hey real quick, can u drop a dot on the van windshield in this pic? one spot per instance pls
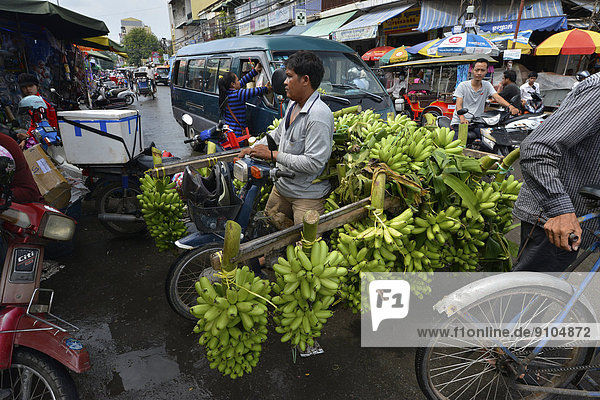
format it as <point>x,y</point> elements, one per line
<point>345,74</point>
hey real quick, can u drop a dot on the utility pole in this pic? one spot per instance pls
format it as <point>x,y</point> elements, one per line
<point>514,43</point>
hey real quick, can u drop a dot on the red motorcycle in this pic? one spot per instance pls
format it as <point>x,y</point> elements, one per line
<point>36,348</point>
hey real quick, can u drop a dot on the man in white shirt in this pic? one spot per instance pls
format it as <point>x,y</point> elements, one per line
<point>530,87</point>
<point>473,94</point>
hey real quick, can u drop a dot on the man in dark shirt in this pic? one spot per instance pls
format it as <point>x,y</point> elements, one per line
<point>509,87</point>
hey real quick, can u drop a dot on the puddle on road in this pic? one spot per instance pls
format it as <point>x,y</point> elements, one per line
<point>137,370</point>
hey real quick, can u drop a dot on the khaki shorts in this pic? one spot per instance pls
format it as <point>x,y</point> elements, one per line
<point>286,211</point>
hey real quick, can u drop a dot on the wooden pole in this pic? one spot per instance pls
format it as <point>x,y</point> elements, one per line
<point>231,246</point>
<point>514,43</point>
<point>310,223</point>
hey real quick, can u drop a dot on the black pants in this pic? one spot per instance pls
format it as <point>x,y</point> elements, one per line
<point>539,254</point>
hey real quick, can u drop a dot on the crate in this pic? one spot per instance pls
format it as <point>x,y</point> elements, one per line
<point>100,137</point>
<point>212,219</point>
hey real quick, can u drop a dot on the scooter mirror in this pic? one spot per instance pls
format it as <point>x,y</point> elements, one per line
<point>271,143</point>
<point>462,111</point>
<point>187,119</point>
<point>278,78</point>
<point>515,101</point>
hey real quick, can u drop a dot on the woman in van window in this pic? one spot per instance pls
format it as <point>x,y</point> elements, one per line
<point>232,98</point>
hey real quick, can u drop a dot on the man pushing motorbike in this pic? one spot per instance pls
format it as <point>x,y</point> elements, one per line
<point>304,138</point>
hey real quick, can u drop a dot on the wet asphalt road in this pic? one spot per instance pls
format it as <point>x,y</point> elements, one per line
<point>113,289</point>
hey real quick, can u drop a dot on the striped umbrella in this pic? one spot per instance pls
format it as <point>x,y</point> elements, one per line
<point>575,41</point>
<point>462,43</point>
<point>399,54</point>
<point>376,53</point>
<point>421,48</point>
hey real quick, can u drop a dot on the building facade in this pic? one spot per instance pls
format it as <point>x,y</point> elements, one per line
<point>127,24</point>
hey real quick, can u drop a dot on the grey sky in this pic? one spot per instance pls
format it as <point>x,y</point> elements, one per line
<point>154,13</point>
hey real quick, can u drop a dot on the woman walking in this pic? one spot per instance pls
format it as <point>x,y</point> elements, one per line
<point>232,99</point>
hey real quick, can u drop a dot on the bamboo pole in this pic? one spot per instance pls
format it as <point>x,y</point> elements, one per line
<point>310,223</point>
<point>463,133</point>
<point>378,191</point>
<point>231,246</point>
<point>348,110</point>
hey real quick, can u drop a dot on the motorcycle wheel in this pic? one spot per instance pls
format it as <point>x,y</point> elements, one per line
<point>129,99</point>
<point>113,199</point>
<point>183,274</point>
<point>34,375</point>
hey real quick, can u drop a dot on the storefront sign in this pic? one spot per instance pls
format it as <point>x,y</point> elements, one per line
<point>300,18</point>
<point>242,11</point>
<point>470,23</point>
<point>244,29</point>
<point>405,22</point>
<point>260,23</point>
<point>280,16</point>
<point>366,32</point>
<point>514,54</point>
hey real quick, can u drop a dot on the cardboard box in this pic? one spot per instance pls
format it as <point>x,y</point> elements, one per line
<point>52,185</point>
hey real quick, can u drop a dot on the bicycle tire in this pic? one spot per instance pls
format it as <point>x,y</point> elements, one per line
<point>429,368</point>
<point>183,274</point>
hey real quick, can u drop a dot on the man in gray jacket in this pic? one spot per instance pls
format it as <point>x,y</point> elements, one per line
<point>305,139</point>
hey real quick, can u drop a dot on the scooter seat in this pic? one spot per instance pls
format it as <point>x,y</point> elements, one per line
<point>115,92</point>
<point>590,192</point>
<point>519,117</point>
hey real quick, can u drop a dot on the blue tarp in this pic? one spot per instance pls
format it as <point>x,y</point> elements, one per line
<point>538,24</point>
<point>440,13</point>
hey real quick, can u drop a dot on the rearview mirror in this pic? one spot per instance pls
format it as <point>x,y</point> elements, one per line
<point>278,78</point>
<point>462,111</point>
<point>271,143</point>
<point>187,119</point>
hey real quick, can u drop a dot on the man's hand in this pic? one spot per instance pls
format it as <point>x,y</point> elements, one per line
<point>22,135</point>
<point>262,151</point>
<point>463,120</point>
<point>245,151</point>
<point>513,110</point>
<point>558,230</point>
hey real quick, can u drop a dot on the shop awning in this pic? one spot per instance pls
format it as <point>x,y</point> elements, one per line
<point>63,23</point>
<point>365,26</point>
<point>441,13</point>
<point>298,30</point>
<point>587,4</point>
<point>464,59</point>
<point>97,54</point>
<point>327,25</point>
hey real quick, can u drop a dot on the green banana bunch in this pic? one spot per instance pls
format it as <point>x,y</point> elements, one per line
<point>305,289</point>
<point>444,139</point>
<point>405,152</point>
<point>273,125</point>
<point>162,210</point>
<point>232,321</point>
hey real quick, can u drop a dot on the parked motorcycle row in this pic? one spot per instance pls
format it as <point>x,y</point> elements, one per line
<point>109,95</point>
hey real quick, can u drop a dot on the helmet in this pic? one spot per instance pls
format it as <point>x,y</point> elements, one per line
<point>7,166</point>
<point>581,75</point>
<point>31,103</point>
<point>214,191</point>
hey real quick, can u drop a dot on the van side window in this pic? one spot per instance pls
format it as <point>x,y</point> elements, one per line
<point>195,74</point>
<point>224,66</point>
<point>212,74</point>
<point>180,72</point>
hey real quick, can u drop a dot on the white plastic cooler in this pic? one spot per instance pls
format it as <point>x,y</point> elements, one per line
<point>85,145</point>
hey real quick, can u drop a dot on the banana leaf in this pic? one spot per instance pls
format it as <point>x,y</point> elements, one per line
<point>464,192</point>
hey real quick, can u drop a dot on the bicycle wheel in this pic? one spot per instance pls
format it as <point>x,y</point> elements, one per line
<point>34,375</point>
<point>113,198</point>
<point>183,274</point>
<point>454,373</point>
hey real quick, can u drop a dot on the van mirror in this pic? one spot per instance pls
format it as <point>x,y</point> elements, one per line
<point>187,119</point>
<point>278,78</point>
<point>271,143</point>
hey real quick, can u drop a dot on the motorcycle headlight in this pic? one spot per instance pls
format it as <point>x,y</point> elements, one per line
<point>57,227</point>
<point>492,120</point>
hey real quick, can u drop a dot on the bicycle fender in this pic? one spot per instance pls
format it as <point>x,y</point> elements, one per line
<point>477,290</point>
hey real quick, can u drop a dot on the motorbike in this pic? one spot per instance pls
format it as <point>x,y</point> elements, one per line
<point>144,85</point>
<point>102,98</point>
<point>498,131</point>
<point>211,202</point>
<point>40,130</point>
<point>220,134</point>
<point>36,347</point>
